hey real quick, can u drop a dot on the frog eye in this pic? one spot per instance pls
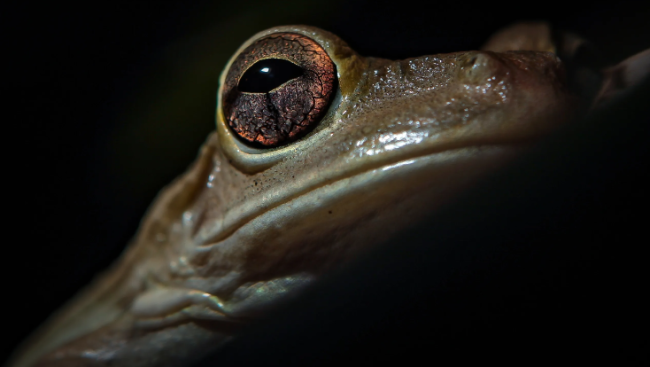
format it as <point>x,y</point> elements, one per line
<point>278,89</point>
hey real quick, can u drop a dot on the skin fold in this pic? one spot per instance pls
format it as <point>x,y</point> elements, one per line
<point>246,227</point>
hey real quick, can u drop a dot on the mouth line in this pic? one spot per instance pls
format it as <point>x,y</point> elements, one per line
<point>389,163</point>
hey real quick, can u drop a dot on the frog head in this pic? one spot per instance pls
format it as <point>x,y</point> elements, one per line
<point>318,154</point>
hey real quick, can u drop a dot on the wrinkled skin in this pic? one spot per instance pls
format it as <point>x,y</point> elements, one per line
<point>245,227</point>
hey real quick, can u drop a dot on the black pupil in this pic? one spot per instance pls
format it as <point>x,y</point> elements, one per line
<point>266,75</point>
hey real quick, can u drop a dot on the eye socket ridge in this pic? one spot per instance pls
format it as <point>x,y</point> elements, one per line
<point>268,74</point>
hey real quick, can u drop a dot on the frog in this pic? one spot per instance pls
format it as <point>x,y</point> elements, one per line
<point>319,154</point>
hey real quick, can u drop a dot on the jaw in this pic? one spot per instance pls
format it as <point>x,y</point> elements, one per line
<point>323,228</point>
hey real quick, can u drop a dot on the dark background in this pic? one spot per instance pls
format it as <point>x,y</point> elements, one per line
<point>111,100</point>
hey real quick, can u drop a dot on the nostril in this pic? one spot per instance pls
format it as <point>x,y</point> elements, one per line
<point>477,67</point>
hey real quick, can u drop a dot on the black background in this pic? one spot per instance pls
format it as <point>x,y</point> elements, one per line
<point>110,100</point>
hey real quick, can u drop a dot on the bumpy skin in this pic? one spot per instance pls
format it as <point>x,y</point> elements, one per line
<point>245,227</point>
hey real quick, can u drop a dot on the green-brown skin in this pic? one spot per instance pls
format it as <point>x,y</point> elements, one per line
<point>244,226</point>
